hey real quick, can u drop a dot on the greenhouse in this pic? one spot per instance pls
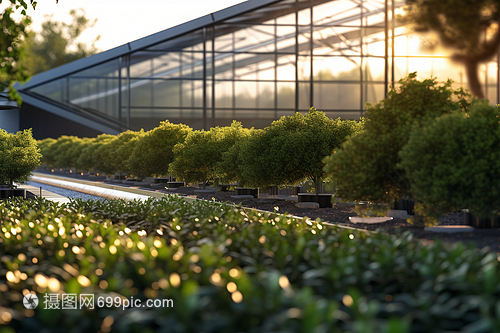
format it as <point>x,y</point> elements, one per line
<point>253,62</point>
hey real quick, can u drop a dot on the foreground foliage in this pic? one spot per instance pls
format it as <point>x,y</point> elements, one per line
<point>228,269</point>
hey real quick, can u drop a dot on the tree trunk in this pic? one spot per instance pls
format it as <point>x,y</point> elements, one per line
<point>471,69</point>
<point>318,185</point>
<point>11,183</point>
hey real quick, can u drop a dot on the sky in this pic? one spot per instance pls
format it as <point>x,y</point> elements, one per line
<point>120,22</point>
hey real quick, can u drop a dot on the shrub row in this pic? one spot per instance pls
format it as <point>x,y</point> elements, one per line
<point>230,270</point>
<point>19,155</point>
<point>426,141</point>
<point>290,150</point>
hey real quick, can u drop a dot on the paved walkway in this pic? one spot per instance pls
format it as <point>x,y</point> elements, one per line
<point>45,194</point>
<point>97,189</point>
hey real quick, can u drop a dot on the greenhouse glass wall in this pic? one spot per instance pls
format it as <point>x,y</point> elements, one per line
<point>253,62</point>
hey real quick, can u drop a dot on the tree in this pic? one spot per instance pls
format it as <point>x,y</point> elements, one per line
<point>49,149</point>
<point>366,165</point>
<point>230,167</point>
<point>154,151</point>
<point>112,156</point>
<point>65,154</point>
<point>453,162</point>
<point>87,159</point>
<point>292,149</point>
<point>469,27</point>
<point>196,158</point>
<point>57,44</point>
<point>11,50</point>
<point>45,150</point>
<point>19,155</point>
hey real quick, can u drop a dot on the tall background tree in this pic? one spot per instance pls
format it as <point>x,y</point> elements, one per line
<point>13,31</point>
<point>471,28</point>
<point>57,43</point>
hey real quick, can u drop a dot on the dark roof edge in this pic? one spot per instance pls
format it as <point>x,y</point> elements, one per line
<point>144,42</point>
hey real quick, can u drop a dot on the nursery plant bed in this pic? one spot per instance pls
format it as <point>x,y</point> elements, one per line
<point>340,213</point>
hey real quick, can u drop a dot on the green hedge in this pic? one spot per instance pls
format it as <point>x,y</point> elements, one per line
<point>366,167</point>
<point>19,155</point>
<point>453,162</point>
<point>290,275</point>
<point>290,150</point>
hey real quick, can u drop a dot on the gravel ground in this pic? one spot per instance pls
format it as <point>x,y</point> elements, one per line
<point>340,214</point>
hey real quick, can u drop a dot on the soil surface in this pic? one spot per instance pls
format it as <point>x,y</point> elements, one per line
<point>340,214</point>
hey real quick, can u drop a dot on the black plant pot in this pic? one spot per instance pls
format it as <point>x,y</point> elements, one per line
<point>6,193</point>
<point>247,191</point>
<point>161,180</point>
<point>481,223</point>
<point>405,204</point>
<point>175,184</point>
<point>323,199</point>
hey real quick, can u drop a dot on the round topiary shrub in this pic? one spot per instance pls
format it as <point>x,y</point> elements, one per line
<point>19,155</point>
<point>366,167</point>
<point>453,162</point>
<point>153,153</point>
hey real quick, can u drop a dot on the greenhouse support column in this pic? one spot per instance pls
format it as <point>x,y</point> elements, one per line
<point>120,102</point>
<point>296,56</point>
<point>361,60</point>
<point>311,46</point>
<point>129,92</point>
<point>181,104</point>
<point>212,72</point>
<point>386,54</point>
<point>67,90</point>
<point>498,77</point>
<point>204,78</point>
<point>393,44</point>
<point>233,83</point>
<point>275,69</point>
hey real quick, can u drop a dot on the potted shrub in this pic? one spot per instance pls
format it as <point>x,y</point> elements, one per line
<point>196,158</point>
<point>87,160</point>
<point>153,152</point>
<point>231,168</point>
<point>453,163</point>
<point>19,155</point>
<point>366,167</point>
<point>292,149</point>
